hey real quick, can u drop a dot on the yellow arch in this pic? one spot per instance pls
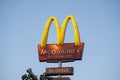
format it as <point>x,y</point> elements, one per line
<point>46,30</point>
<point>75,27</point>
<point>61,31</point>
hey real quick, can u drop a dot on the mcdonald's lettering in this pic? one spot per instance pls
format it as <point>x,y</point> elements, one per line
<point>60,51</point>
<point>68,51</point>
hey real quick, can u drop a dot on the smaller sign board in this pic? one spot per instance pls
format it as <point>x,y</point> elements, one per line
<point>62,78</point>
<point>59,71</point>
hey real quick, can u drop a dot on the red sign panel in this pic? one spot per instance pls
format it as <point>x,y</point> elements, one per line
<point>59,71</point>
<point>62,78</point>
<point>65,52</point>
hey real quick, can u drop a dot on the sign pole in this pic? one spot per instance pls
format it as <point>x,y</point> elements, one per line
<point>59,65</point>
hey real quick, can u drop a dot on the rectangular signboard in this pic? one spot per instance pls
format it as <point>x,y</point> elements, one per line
<point>65,52</point>
<point>62,78</point>
<point>59,71</point>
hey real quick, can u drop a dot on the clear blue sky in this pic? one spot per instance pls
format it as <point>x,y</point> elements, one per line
<point>21,27</point>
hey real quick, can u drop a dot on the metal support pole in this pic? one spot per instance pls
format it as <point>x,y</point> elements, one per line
<point>59,65</point>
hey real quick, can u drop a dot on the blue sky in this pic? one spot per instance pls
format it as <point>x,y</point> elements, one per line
<point>22,23</point>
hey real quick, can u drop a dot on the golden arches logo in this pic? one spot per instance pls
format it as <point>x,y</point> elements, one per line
<point>62,51</point>
<point>61,31</point>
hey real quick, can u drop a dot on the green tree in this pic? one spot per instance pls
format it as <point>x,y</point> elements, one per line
<point>45,77</point>
<point>31,76</point>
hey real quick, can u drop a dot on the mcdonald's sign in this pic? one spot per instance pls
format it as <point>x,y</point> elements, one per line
<point>60,51</point>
